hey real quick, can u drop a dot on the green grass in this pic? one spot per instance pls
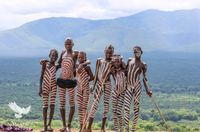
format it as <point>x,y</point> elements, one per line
<point>180,110</point>
<point>143,125</point>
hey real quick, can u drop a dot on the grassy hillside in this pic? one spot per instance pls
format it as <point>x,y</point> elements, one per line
<point>174,79</point>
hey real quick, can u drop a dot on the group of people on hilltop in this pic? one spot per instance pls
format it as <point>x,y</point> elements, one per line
<point>126,79</point>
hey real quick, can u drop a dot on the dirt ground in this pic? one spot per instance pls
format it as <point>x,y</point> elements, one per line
<point>57,130</point>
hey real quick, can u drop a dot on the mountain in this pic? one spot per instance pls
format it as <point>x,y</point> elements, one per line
<point>154,30</point>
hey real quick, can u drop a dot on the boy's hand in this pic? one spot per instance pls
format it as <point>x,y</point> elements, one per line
<point>80,67</point>
<point>149,93</point>
<point>40,93</point>
<point>112,70</point>
<point>43,62</point>
<point>91,90</point>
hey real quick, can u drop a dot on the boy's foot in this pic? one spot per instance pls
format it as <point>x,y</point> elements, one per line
<point>133,130</point>
<point>68,129</point>
<point>83,130</point>
<point>63,129</point>
<point>126,129</point>
<point>49,128</point>
<point>89,130</point>
<point>44,131</point>
<point>121,129</point>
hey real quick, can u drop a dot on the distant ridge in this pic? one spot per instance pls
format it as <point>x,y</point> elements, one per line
<point>154,30</point>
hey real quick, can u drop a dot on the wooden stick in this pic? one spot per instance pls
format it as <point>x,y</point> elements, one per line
<point>161,115</point>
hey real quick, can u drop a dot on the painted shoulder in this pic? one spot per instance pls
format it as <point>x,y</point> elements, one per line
<point>75,53</point>
<point>129,59</point>
<point>144,63</point>
<point>99,59</point>
<point>63,51</point>
<point>87,67</point>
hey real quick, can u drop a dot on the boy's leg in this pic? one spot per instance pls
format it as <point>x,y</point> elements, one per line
<point>86,94</point>
<point>95,104</point>
<point>120,110</point>
<point>45,97</point>
<point>72,106</point>
<point>127,102</point>
<point>137,92</point>
<point>107,91</point>
<point>52,106</point>
<point>45,108</point>
<point>62,95</point>
<point>114,103</point>
<point>45,118</point>
<point>80,105</point>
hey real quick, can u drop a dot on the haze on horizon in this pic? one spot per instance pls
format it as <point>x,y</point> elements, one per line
<point>14,13</point>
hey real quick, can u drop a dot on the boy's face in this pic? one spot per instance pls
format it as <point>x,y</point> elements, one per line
<point>53,57</point>
<point>137,52</point>
<point>117,63</point>
<point>108,54</point>
<point>68,44</point>
<point>81,58</point>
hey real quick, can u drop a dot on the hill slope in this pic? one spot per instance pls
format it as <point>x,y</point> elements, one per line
<point>152,29</point>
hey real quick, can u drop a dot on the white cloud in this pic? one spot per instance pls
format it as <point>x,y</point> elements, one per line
<point>16,12</point>
<point>155,4</point>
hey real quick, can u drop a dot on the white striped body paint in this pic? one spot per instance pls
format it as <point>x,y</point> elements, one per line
<point>67,72</point>
<point>133,90</point>
<point>49,85</point>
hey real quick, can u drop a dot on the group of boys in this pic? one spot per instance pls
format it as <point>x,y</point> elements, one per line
<point>127,86</point>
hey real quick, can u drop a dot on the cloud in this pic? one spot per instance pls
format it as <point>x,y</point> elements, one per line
<point>153,4</point>
<point>66,6</point>
<point>50,6</point>
<point>21,11</point>
<point>33,6</point>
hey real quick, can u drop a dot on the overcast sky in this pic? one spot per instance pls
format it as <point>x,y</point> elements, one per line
<point>14,13</point>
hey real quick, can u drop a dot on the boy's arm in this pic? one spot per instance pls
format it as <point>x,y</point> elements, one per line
<point>113,72</point>
<point>107,73</point>
<point>113,76</point>
<point>75,56</point>
<point>126,69</point>
<point>41,79</point>
<point>96,74</point>
<point>60,61</point>
<point>89,71</point>
<point>145,81</point>
<point>76,69</point>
